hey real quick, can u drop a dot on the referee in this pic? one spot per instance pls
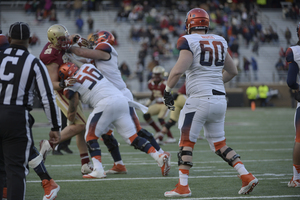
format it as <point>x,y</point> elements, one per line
<point>20,74</point>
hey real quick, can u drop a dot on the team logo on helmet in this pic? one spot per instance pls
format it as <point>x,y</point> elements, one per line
<point>67,70</point>
<point>101,36</point>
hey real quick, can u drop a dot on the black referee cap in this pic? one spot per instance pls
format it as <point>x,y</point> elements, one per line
<point>19,31</point>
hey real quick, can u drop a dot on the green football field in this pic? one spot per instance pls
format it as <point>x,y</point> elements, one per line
<point>264,138</point>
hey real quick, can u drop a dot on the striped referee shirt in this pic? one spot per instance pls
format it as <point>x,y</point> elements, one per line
<point>20,74</point>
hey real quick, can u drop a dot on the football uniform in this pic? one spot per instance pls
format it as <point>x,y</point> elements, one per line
<point>293,57</point>
<point>109,68</point>
<point>158,108</point>
<point>50,55</point>
<point>205,90</point>
<point>110,105</point>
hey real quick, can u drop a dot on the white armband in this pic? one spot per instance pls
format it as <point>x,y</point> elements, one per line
<point>168,89</point>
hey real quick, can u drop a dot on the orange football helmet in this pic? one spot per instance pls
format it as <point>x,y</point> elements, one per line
<point>102,36</point>
<point>196,19</point>
<point>67,70</point>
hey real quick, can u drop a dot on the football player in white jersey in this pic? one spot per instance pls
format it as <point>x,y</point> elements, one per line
<point>293,59</point>
<point>105,57</point>
<point>204,59</point>
<point>110,106</point>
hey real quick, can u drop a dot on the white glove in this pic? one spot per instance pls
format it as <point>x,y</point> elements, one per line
<point>70,81</point>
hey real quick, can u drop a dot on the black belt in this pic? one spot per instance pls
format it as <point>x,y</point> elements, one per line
<point>216,92</point>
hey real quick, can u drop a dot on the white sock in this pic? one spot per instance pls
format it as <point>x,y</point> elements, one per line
<point>183,178</point>
<point>97,163</point>
<point>154,155</point>
<point>119,162</point>
<point>296,174</point>
<point>240,168</point>
<point>161,151</point>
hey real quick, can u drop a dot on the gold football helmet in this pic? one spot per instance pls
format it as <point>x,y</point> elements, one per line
<point>158,73</point>
<point>158,70</point>
<point>58,35</point>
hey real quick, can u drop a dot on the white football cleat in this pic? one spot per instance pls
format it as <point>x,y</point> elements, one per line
<point>45,148</point>
<point>159,142</point>
<point>179,191</point>
<point>87,168</point>
<point>248,183</point>
<point>158,134</point>
<point>170,140</point>
<point>294,183</point>
<point>164,162</point>
<point>96,173</point>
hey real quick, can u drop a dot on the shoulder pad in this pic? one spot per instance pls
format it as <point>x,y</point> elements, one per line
<point>182,44</point>
<point>289,55</point>
<point>104,47</point>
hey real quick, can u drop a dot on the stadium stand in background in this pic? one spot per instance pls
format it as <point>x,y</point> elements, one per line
<point>123,16</point>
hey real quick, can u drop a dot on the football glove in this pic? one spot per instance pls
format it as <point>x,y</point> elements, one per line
<point>168,100</point>
<point>175,95</point>
<point>80,41</point>
<point>70,81</point>
<point>297,96</point>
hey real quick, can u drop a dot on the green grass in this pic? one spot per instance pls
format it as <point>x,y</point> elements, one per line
<point>264,138</point>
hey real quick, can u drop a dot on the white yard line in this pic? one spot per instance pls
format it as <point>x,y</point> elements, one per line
<point>278,177</point>
<point>174,163</point>
<point>243,197</point>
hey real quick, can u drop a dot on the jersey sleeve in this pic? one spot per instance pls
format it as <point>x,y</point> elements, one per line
<point>69,93</point>
<point>293,70</point>
<point>182,44</point>
<point>289,55</point>
<point>104,47</point>
<point>51,55</point>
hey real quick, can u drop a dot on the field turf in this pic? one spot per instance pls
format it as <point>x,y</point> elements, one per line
<point>264,138</point>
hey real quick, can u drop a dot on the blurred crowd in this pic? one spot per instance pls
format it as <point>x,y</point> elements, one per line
<point>157,24</point>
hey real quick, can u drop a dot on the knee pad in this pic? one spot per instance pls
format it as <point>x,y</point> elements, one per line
<point>184,153</point>
<point>224,154</point>
<point>170,123</point>
<point>141,144</point>
<point>161,121</point>
<point>110,142</point>
<point>145,134</point>
<point>93,145</point>
<point>147,116</point>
